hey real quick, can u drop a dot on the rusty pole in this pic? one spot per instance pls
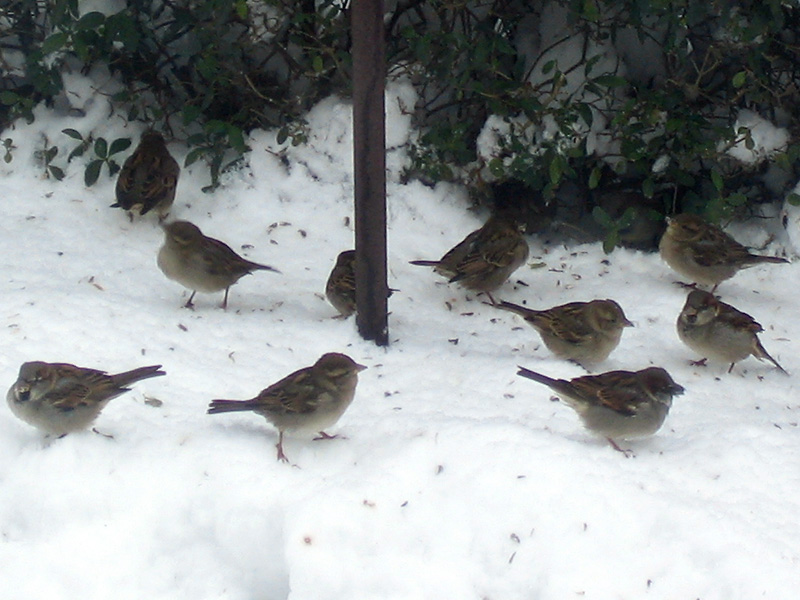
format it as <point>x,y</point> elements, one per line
<point>369,158</point>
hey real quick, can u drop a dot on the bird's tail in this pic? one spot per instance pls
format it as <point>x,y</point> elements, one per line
<point>424,263</point>
<point>223,406</point>
<point>762,353</point>
<point>260,267</point>
<point>128,377</point>
<point>527,373</point>
<point>515,308</point>
<point>756,258</point>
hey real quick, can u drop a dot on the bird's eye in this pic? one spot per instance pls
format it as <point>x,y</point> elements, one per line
<point>691,318</point>
<point>24,394</point>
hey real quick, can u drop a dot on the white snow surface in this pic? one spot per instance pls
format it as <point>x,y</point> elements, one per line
<point>457,479</point>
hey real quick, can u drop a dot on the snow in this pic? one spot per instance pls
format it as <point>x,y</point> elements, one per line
<point>766,139</point>
<point>457,479</point>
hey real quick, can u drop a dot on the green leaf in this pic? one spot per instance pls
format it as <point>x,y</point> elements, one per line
<point>594,178</point>
<point>241,9</point>
<point>78,151</point>
<point>603,218</point>
<point>737,199</point>
<point>496,167</point>
<point>283,134</point>
<point>626,220</point>
<point>91,20</point>
<point>556,170</point>
<point>739,79</point>
<point>236,139</point>
<point>101,147</point>
<point>8,98</point>
<point>648,187</point>
<point>191,113</point>
<point>121,27</point>
<point>54,42</point>
<point>57,173</point>
<point>793,199</point>
<point>317,64</point>
<point>716,179</point>
<point>193,156</point>
<point>75,135</point>
<point>119,145</point>
<point>611,241</point>
<point>92,172</point>
<point>585,111</point>
<point>590,11</point>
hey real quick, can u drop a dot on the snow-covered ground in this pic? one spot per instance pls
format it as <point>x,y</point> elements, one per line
<point>457,480</point>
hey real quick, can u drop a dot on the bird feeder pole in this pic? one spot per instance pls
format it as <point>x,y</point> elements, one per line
<point>369,158</point>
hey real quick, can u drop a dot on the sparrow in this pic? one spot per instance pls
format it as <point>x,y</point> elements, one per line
<point>585,332</point>
<point>616,404</point>
<point>719,331</point>
<point>60,398</point>
<point>307,401</point>
<point>201,263</point>
<point>148,178</point>
<point>705,253</point>
<point>340,288</point>
<point>485,259</point>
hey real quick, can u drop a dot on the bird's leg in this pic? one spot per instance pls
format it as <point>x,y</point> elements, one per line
<point>627,453</point>
<point>327,436</point>
<point>699,363</point>
<point>683,284</point>
<point>281,456</point>
<point>105,435</point>
<point>731,367</point>
<point>491,298</point>
<point>224,305</point>
<point>189,304</point>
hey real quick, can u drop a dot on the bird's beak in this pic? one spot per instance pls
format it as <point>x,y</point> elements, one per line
<point>360,367</point>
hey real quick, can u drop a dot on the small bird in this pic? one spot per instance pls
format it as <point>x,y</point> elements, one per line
<point>616,404</point>
<point>201,263</point>
<point>149,178</point>
<point>719,331</point>
<point>307,401</point>
<point>341,286</point>
<point>60,398</point>
<point>585,332</point>
<point>485,259</point>
<point>705,253</point>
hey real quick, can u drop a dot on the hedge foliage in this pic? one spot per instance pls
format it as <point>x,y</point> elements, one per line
<point>645,104</point>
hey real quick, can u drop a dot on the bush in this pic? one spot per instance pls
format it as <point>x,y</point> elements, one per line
<point>560,96</point>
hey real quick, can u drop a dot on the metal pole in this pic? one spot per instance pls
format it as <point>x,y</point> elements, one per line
<point>369,123</point>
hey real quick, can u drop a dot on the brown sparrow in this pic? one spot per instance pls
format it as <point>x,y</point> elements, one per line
<point>586,332</point>
<point>616,404</point>
<point>148,178</point>
<point>341,286</point>
<point>60,398</point>
<point>705,253</point>
<point>719,331</point>
<point>485,259</point>
<point>201,263</point>
<point>307,401</point>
